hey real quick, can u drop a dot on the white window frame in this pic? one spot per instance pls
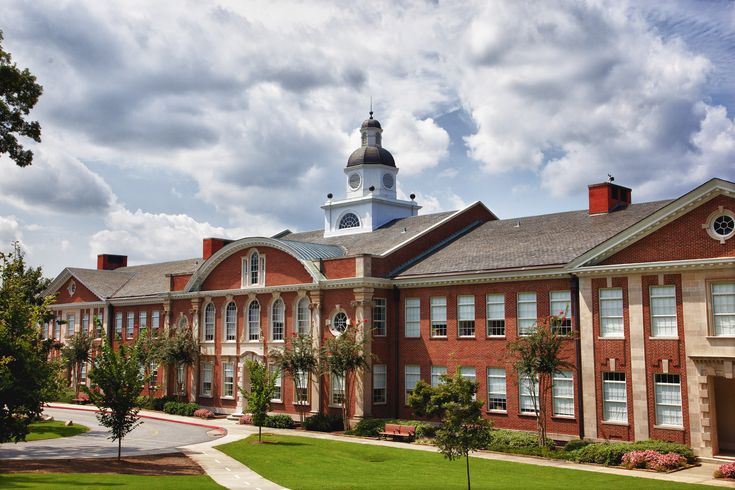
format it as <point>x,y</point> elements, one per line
<point>83,373</point>
<point>662,309</point>
<point>673,402</point>
<point>155,321</point>
<point>180,387</point>
<point>438,312</point>
<point>253,323</point>
<point>247,270</point>
<point>527,320</point>
<point>57,328</point>
<point>380,317</point>
<point>130,325</point>
<point>119,324</point>
<point>524,393</point>
<point>612,311</point>
<point>210,316</point>
<point>337,320</point>
<point>492,305</point>
<point>153,369</point>
<point>560,305</point>
<point>298,399</point>
<point>336,390</point>
<point>380,384</point>
<point>436,375</point>
<point>230,323</point>
<point>466,316</point>
<point>496,395</point>
<point>207,379</point>
<point>412,318</point>
<point>142,320</point>
<point>411,376</point>
<point>228,382</point>
<point>278,385</point>
<point>85,323</point>
<point>71,324</point>
<point>723,318</point>
<point>615,379</point>
<point>562,394</point>
<point>278,321</point>
<point>303,316</point>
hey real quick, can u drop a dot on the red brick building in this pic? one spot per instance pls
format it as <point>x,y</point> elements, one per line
<point>649,289</point>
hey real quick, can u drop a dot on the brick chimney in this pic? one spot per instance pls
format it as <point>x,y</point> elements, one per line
<point>607,197</point>
<point>210,246</point>
<point>108,262</point>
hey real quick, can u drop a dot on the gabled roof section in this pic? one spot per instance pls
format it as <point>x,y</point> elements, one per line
<point>102,283</point>
<point>152,279</point>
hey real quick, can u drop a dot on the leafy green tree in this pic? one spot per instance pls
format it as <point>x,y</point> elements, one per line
<point>344,357</point>
<point>298,359</point>
<point>262,388</point>
<point>116,385</point>
<point>180,347</point>
<point>537,358</point>
<point>75,352</point>
<point>150,351</point>
<point>463,428</point>
<point>19,92</point>
<point>27,377</point>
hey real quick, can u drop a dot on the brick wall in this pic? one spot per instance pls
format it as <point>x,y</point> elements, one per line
<point>81,295</point>
<point>339,268</point>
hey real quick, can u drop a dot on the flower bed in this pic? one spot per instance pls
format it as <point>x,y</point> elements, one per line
<point>726,470</point>
<point>653,460</point>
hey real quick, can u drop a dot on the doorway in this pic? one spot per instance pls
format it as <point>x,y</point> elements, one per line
<point>725,413</point>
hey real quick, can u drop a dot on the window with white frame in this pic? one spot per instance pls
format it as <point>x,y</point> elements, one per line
<point>380,382</point>
<point>253,270</point>
<point>723,309</point>
<point>466,315</point>
<point>560,305</point>
<point>339,323</point>
<point>303,317</point>
<point>436,375</point>
<point>209,316</point>
<point>155,321</point>
<point>301,387</point>
<point>181,379</point>
<point>495,309</point>
<point>379,317</point>
<point>497,394</point>
<point>668,400</point>
<point>207,377</point>
<point>470,374</point>
<point>130,325</point>
<point>57,327</point>
<point>83,373</point>
<point>142,320</point>
<point>153,379</point>
<point>663,311</point>
<point>349,220</point>
<point>528,392</point>
<point>118,324</point>
<point>438,316</point>
<point>228,379</point>
<point>278,385</point>
<point>278,320</point>
<point>527,315</point>
<point>611,312</point>
<point>254,320</point>
<point>230,321</point>
<point>71,325</point>
<point>99,322</point>
<point>337,391</point>
<point>412,323</point>
<point>562,394</point>
<point>614,397</point>
<point>46,330</point>
<point>85,323</point>
<point>412,375</point>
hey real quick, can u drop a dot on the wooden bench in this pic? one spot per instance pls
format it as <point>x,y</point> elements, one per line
<point>83,399</point>
<point>396,431</point>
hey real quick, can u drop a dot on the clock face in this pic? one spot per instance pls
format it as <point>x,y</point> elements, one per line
<point>388,181</point>
<point>355,181</point>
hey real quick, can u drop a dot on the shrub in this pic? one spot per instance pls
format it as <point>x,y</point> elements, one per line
<point>501,440</point>
<point>605,453</point>
<point>371,427</point>
<point>64,395</point>
<point>246,419</point>
<point>203,413</point>
<point>653,460</point>
<point>153,403</point>
<point>321,422</point>
<point>180,408</point>
<point>279,421</point>
<point>726,470</point>
<point>664,447</point>
<point>575,444</point>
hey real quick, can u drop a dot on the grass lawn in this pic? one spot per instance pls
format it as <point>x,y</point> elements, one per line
<point>303,463</point>
<point>53,430</point>
<point>81,481</point>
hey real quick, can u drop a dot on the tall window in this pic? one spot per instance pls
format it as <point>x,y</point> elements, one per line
<point>668,400</point>
<point>560,304</point>
<point>57,327</point>
<point>130,324</point>
<point>469,373</point>
<point>181,379</point>
<point>380,376</point>
<point>254,320</point>
<point>495,315</point>
<point>155,321</point>
<point>379,317</point>
<point>228,379</point>
<point>153,377</point>
<point>337,394</point>
<point>439,316</point>
<point>562,394</point>
<point>71,325</point>
<point>254,268</point>
<point>723,309</point>
<point>436,375</point>
<point>611,312</point>
<point>206,379</point>
<point>278,387</point>
<point>118,324</point>
<point>301,387</point>
<point>527,391</point>
<point>497,395</point>
<point>85,323</point>
<point>614,398</point>
<point>527,315</point>
<point>412,325</point>
<point>142,320</point>
<point>209,323</point>
<point>278,316</point>
<point>47,330</point>
<point>412,376</point>
<point>663,311</point>
<point>466,315</point>
<point>303,317</point>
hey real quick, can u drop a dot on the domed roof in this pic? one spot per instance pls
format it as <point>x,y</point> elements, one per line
<point>371,155</point>
<point>371,123</point>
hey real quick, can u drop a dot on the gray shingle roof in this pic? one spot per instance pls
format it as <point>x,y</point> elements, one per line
<point>102,283</point>
<point>545,240</point>
<point>151,278</point>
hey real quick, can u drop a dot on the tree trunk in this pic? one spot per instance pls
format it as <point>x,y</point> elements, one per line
<point>260,434</point>
<point>467,460</point>
<point>119,448</point>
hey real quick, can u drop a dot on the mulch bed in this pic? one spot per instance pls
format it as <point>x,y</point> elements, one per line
<point>159,464</point>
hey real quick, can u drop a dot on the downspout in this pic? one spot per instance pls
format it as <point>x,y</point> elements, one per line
<point>574,286</point>
<point>396,350</point>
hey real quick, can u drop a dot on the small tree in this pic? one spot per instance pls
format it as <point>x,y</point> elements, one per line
<point>116,384</point>
<point>344,356</point>
<point>262,388</point>
<point>76,352</point>
<point>537,358</point>
<point>298,359</point>
<point>150,351</point>
<point>463,427</point>
<point>179,348</point>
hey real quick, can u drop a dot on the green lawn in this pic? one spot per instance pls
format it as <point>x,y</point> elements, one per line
<point>82,481</point>
<point>53,430</point>
<point>303,463</point>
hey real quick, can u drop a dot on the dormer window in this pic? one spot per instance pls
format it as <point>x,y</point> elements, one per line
<point>253,270</point>
<point>349,220</point>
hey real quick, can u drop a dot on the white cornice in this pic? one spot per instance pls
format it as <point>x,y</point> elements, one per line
<point>138,300</point>
<point>672,265</point>
<point>484,277</point>
<point>69,306</point>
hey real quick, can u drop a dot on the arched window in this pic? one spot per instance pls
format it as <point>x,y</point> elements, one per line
<point>254,321</point>
<point>303,317</point>
<point>254,268</point>
<point>339,323</point>
<point>230,321</point>
<point>278,314</point>
<point>349,220</point>
<point>209,323</point>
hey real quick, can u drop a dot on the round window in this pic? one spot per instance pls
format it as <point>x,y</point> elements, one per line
<point>721,225</point>
<point>355,181</point>
<point>339,323</point>
<point>388,181</point>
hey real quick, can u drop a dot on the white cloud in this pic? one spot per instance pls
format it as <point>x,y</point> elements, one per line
<point>10,231</point>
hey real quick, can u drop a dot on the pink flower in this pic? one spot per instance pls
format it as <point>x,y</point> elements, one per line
<point>727,470</point>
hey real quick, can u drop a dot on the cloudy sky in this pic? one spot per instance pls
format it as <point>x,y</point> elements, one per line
<point>163,123</point>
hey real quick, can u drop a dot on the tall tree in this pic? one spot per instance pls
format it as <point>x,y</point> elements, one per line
<point>116,381</point>
<point>75,352</point>
<point>150,351</point>
<point>19,92</point>
<point>537,358</point>
<point>262,388</point>
<point>298,359</point>
<point>27,377</point>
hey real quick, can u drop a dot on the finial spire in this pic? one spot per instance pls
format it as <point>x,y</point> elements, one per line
<point>371,107</point>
